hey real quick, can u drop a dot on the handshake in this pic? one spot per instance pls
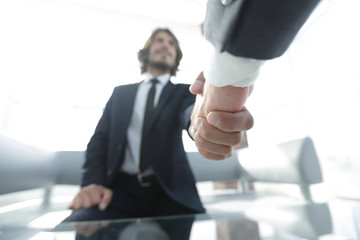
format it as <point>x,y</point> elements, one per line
<point>218,118</point>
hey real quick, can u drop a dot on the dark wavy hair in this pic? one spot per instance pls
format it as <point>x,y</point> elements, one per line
<point>143,54</point>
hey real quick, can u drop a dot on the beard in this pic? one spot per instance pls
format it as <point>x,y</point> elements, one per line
<point>161,65</point>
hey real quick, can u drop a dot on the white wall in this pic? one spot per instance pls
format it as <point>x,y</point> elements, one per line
<point>60,61</point>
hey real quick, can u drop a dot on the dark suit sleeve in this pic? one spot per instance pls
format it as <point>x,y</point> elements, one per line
<point>96,153</point>
<point>259,29</point>
<point>186,107</point>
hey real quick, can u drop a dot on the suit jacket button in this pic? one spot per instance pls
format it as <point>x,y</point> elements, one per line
<point>119,147</point>
<point>226,2</point>
<point>109,172</point>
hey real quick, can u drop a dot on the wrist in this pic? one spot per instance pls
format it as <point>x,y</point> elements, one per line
<point>227,98</point>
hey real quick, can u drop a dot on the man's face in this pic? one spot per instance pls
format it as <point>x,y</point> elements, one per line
<point>162,52</point>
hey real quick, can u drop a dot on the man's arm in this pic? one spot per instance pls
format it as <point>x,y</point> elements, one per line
<point>93,191</point>
<point>97,148</point>
<point>257,29</point>
<point>243,34</point>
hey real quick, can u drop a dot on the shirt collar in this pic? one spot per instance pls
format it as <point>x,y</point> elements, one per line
<point>163,79</point>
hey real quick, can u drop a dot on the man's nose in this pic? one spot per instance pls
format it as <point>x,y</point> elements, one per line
<point>166,44</point>
<point>165,47</point>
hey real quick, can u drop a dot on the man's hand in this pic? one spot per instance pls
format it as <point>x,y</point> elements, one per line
<point>218,118</point>
<point>92,195</point>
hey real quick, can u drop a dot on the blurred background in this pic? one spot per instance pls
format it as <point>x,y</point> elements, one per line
<point>61,59</point>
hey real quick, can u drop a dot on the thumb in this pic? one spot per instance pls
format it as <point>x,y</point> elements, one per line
<point>197,86</point>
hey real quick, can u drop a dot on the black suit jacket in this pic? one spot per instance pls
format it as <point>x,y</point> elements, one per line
<point>105,151</point>
<point>259,29</point>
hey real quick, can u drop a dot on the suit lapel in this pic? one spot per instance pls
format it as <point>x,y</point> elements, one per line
<point>165,94</point>
<point>128,102</point>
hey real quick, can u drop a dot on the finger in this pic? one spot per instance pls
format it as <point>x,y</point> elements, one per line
<point>77,202</point>
<point>195,125</point>
<point>243,143</point>
<point>106,199</point>
<point>197,86</point>
<point>197,106</point>
<point>216,136</point>
<point>192,131</point>
<point>212,148</point>
<point>95,195</point>
<point>231,122</point>
<point>212,156</point>
<point>86,200</point>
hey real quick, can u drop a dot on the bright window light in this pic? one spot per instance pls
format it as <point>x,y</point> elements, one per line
<point>20,205</point>
<point>50,220</point>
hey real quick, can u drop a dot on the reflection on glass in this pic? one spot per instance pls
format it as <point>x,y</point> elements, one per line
<point>168,229</point>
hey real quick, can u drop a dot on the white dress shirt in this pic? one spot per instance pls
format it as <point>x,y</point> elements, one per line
<point>134,132</point>
<point>226,69</point>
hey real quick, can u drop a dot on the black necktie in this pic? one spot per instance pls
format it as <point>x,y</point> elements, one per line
<point>149,110</point>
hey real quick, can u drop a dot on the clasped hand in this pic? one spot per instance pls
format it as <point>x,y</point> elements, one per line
<point>218,118</point>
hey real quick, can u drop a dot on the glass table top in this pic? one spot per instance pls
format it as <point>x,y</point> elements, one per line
<point>338,219</point>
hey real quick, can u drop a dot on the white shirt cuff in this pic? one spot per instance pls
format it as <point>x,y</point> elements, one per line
<point>226,69</point>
